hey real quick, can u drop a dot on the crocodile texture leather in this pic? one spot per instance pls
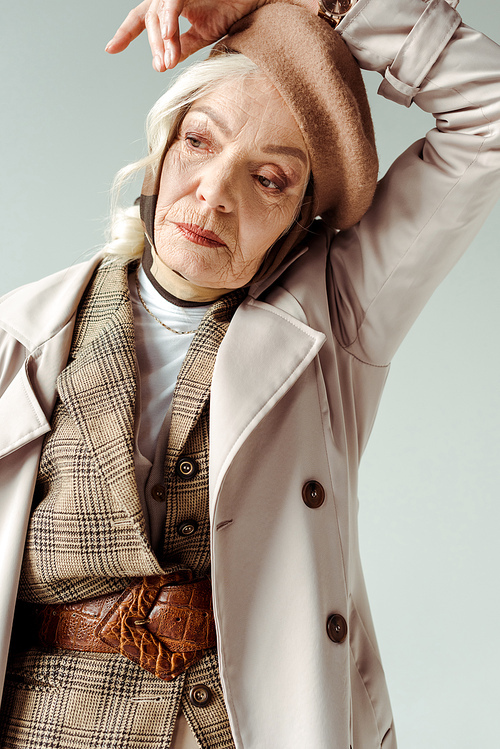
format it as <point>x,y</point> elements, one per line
<point>163,623</point>
<point>72,625</point>
<point>149,622</point>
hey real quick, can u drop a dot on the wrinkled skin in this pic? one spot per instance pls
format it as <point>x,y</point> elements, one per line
<point>238,168</point>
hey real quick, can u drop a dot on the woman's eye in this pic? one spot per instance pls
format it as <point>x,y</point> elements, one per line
<point>266,182</point>
<point>194,142</point>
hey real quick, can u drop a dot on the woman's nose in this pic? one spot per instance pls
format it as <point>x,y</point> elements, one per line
<point>215,187</point>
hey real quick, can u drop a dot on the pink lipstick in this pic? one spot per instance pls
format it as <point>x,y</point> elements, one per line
<point>196,234</point>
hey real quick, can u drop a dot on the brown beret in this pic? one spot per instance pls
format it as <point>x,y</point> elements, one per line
<point>319,80</point>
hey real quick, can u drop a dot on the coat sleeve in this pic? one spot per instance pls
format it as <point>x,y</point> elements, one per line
<point>436,195</point>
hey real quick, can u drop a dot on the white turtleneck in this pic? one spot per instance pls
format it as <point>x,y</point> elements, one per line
<point>160,354</point>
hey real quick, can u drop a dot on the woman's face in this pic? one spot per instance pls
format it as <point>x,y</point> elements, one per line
<point>231,184</point>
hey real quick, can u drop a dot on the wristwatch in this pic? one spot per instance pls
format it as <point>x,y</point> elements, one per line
<point>333,11</point>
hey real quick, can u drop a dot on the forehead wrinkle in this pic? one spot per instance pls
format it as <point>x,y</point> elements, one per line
<point>237,99</point>
<point>215,117</point>
<point>281,149</point>
<point>270,148</point>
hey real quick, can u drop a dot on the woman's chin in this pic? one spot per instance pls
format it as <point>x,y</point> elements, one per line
<point>188,268</point>
<point>193,269</point>
<point>199,279</point>
<point>186,282</point>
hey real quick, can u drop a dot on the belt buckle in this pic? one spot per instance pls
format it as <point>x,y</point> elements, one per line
<point>163,623</point>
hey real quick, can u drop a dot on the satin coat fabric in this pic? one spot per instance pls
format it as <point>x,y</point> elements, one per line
<point>295,390</point>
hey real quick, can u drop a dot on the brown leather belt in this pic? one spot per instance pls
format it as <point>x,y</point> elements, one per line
<point>164,623</point>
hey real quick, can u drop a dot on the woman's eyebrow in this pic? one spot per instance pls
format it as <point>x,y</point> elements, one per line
<point>298,153</point>
<point>287,151</point>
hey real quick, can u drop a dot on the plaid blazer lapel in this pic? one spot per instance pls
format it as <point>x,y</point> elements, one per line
<point>98,387</point>
<point>194,381</point>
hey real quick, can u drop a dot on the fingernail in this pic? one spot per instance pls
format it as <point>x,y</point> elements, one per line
<point>163,31</point>
<point>157,63</point>
<point>167,59</point>
<point>108,45</point>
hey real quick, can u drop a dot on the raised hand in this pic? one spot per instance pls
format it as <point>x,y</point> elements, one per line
<point>209,19</point>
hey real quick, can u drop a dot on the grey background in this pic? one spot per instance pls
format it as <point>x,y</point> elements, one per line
<point>430,517</point>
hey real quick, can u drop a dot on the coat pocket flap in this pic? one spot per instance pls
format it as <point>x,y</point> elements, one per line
<point>22,419</point>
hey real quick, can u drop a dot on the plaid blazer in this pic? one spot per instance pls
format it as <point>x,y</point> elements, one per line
<point>87,536</point>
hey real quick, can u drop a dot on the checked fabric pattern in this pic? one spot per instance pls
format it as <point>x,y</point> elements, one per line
<point>87,537</point>
<point>189,436</point>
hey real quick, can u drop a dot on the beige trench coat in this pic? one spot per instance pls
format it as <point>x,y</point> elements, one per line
<point>295,390</point>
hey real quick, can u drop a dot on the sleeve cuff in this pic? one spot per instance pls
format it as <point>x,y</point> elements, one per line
<point>427,35</point>
<point>430,35</point>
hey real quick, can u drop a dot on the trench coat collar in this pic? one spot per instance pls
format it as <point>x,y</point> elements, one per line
<point>40,316</point>
<point>36,312</point>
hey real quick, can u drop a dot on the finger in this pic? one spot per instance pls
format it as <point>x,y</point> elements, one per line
<point>168,13</point>
<point>155,40</point>
<point>173,51</point>
<point>191,42</point>
<point>129,30</point>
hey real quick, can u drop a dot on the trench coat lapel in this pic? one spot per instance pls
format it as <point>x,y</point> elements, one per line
<point>23,422</point>
<point>98,387</point>
<point>265,351</point>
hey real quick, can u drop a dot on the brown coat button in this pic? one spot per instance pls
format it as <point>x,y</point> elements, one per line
<point>186,468</point>
<point>158,492</point>
<point>336,627</point>
<point>187,528</point>
<point>199,696</point>
<point>313,494</point>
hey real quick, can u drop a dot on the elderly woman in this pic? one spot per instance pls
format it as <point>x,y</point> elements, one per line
<point>191,406</point>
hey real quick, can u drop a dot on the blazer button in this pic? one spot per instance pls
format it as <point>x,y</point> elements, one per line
<point>187,528</point>
<point>158,492</point>
<point>186,468</point>
<point>313,494</point>
<point>199,696</point>
<point>336,627</point>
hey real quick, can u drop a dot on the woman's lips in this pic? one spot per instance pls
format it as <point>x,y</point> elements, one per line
<point>200,236</point>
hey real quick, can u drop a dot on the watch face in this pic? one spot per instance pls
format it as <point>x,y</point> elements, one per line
<point>337,7</point>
